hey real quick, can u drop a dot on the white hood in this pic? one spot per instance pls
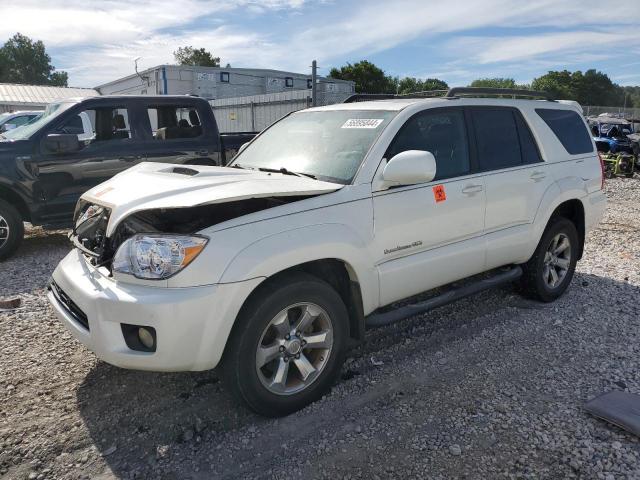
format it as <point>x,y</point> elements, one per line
<point>157,185</point>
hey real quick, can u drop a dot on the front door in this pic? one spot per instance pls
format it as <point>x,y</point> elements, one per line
<point>108,148</point>
<point>430,234</point>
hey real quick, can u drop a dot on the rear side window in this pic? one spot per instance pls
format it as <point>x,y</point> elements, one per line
<point>528,146</point>
<point>170,122</point>
<point>497,138</point>
<point>442,133</point>
<point>570,129</point>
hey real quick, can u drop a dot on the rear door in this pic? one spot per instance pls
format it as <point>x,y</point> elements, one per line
<point>430,234</point>
<point>175,132</point>
<point>515,177</point>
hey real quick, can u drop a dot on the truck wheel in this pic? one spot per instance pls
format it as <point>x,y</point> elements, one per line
<point>287,347</point>
<point>11,230</point>
<point>549,272</point>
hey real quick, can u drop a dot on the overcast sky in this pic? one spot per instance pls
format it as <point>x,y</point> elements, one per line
<point>457,41</point>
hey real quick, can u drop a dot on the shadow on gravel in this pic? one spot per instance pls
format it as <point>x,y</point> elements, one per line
<point>135,419</point>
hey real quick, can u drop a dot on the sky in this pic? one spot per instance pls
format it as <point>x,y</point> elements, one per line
<point>456,41</point>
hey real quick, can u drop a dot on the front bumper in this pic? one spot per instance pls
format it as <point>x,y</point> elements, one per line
<point>192,324</point>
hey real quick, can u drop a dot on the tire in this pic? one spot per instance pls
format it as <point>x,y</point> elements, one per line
<point>537,279</point>
<point>11,230</point>
<point>261,327</point>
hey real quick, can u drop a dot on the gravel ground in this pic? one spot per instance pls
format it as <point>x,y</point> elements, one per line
<point>490,387</point>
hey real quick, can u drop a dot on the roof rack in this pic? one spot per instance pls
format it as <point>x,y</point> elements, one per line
<point>500,92</point>
<point>365,97</point>
<point>452,93</point>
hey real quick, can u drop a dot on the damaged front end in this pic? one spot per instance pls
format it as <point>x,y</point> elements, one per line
<point>156,243</point>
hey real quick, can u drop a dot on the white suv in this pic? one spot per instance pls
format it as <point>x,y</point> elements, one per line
<point>275,265</point>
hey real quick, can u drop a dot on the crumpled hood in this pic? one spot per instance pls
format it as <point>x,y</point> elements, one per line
<point>160,185</point>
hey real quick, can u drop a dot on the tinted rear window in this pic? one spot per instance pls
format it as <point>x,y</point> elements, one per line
<point>570,129</point>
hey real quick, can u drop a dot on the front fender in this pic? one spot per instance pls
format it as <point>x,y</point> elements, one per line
<point>275,253</point>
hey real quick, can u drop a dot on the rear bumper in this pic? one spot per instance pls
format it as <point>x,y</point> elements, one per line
<point>596,205</point>
<point>192,324</point>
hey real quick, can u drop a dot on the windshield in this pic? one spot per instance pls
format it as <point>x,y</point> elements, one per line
<point>328,145</point>
<point>51,112</point>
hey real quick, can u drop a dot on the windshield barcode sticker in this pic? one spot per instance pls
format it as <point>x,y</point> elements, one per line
<point>362,123</point>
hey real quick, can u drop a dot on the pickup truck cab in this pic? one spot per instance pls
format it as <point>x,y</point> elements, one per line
<point>273,266</point>
<point>12,120</point>
<point>79,143</point>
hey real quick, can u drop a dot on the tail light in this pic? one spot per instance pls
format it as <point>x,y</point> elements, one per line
<point>601,170</point>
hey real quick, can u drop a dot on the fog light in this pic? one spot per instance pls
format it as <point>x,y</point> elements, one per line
<point>146,338</point>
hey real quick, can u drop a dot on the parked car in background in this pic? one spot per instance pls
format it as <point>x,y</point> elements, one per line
<point>275,266</point>
<point>78,143</point>
<point>9,121</point>
<point>611,134</point>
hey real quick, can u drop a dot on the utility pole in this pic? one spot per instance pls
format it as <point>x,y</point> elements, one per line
<point>314,83</point>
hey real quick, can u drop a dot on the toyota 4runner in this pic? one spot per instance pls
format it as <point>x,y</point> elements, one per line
<point>276,264</point>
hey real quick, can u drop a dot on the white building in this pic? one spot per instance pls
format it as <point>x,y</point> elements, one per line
<point>16,97</point>
<point>215,83</point>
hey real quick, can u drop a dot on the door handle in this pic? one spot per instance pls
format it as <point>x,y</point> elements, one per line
<point>202,153</point>
<point>537,175</point>
<point>472,189</point>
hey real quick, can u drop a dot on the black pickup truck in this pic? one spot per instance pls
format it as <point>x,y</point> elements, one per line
<point>78,143</point>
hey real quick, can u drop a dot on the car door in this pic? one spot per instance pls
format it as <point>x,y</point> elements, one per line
<point>174,133</point>
<point>430,234</point>
<point>515,178</point>
<point>110,148</point>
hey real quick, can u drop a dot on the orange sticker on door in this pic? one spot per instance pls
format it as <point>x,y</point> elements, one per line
<point>439,194</point>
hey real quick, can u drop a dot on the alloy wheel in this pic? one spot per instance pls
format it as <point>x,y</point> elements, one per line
<point>557,260</point>
<point>294,348</point>
<point>4,231</point>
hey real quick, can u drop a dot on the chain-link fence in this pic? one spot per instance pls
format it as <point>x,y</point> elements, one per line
<point>628,113</point>
<point>256,112</point>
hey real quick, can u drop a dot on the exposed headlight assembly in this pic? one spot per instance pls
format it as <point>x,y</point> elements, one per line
<point>90,212</point>
<point>157,257</point>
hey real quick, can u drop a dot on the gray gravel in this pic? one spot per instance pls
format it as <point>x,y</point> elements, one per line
<point>490,387</point>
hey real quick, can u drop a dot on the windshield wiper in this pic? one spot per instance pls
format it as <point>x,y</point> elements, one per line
<point>284,171</point>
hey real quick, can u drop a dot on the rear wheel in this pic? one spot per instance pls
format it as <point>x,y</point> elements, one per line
<point>288,346</point>
<point>11,230</point>
<point>549,271</point>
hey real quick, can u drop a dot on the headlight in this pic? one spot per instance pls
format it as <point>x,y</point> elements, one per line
<point>90,211</point>
<point>157,256</point>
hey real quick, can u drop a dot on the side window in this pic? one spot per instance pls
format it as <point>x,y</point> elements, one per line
<point>569,127</point>
<point>174,122</point>
<point>19,121</point>
<point>497,138</point>
<point>528,145</point>
<point>98,125</point>
<point>442,133</point>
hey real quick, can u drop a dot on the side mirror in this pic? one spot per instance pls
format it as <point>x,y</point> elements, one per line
<point>410,167</point>
<point>61,143</point>
<point>242,147</point>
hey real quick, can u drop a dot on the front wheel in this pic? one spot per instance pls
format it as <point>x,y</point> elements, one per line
<point>288,345</point>
<point>549,271</point>
<point>11,230</point>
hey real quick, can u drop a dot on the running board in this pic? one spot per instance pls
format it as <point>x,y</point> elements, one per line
<point>386,318</point>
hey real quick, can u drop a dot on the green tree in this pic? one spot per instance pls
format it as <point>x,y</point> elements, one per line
<point>24,61</point>
<point>589,88</point>
<point>558,84</point>
<point>368,77</point>
<point>196,57</point>
<point>497,82</point>
<point>411,84</point>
